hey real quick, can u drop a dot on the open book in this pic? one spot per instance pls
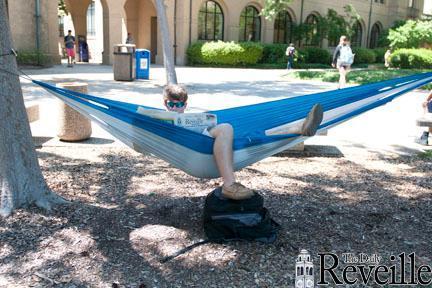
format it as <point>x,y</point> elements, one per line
<point>197,122</point>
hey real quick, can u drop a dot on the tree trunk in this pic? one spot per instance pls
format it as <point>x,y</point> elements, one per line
<point>21,180</point>
<point>166,43</point>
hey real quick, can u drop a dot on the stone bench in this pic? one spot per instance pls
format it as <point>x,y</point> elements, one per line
<point>71,125</point>
<point>32,110</point>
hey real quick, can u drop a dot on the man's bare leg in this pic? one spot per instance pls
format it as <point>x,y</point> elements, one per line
<point>342,77</point>
<point>306,128</point>
<point>223,153</point>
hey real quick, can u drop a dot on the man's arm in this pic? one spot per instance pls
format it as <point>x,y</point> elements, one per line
<point>336,55</point>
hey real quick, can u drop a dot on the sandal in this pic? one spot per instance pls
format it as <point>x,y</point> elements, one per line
<point>237,191</point>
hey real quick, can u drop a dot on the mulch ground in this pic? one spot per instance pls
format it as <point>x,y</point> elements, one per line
<point>130,210</point>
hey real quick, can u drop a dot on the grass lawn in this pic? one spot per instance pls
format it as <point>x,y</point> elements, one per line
<point>356,76</point>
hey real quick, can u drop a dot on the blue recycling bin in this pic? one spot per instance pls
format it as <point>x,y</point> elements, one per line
<point>142,57</point>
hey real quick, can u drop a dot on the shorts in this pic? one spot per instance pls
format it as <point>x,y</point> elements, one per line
<point>70,52</point>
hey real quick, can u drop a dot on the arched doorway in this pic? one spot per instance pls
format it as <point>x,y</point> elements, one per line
<point>142,24</point>
<point>283,27</point>
<point>95,31</point>
<point>357,36</point>
<point>312,37</point>
<point>90,19</point>
<point>375,34</point>
<point>250,24</point>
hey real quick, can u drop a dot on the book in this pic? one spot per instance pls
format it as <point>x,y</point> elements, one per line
<point>197,122</point>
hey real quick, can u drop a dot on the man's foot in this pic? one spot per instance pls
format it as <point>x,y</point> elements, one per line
<point>312,121</point>
<point>237,191</point>
<point>423,140</point>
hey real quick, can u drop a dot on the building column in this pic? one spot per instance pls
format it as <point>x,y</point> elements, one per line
<point>115,31</point>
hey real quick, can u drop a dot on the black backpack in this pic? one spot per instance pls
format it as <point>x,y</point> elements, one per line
<point>226,219</point>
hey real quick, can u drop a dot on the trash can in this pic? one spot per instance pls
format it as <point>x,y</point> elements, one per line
<point>142,57</point>
<point>124,64</point>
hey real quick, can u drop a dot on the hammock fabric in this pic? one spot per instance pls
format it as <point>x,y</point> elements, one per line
<point>193,152</point>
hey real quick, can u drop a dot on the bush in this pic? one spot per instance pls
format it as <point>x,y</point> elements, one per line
<point>412,58</point>
<point>379,54</point>
<point>314,55</point>
<point>224,53</point>
<point>274,53</point>
<point>34,58</point>
<point>363,56</point>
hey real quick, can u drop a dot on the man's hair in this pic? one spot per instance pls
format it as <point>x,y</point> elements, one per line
<point>69,31</point>
<point>343,38</point>
<point>175,92</point>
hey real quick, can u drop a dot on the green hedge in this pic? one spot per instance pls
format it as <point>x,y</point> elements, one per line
<point>379,54</point>
<point>274,53</point>
<point>412,58</point>
<point>363,56</point>
<point>314,55</point>
<point>34,58</point>
<point>224,53</point>
<point>253,54</point>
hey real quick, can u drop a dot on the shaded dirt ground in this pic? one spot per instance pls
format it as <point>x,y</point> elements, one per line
<point>130,210</point>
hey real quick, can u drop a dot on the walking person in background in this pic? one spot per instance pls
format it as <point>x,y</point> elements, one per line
<point>342,60</point>
<point>129,39</point>
<point>387,58</point>
<point>290,54</point>
<point>69,42</point>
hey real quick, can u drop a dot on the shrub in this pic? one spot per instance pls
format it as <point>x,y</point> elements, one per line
<point>34,58</point>
<point>379,54</point>
<point>413,34</point>
<point>274,53</point>
<point>412,58</point>
<point>363,56</point>
<point>224,53</point>
<point>314,55</point>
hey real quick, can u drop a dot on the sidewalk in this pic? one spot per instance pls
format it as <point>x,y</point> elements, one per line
<point>387,129</point>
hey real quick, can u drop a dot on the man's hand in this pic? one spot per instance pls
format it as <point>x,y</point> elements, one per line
<point>333,65</point>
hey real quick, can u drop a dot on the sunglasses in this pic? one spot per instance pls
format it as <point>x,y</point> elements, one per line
<point>175,104</point>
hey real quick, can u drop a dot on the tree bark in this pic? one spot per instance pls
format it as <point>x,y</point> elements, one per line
<point>171,75</point>
<point>21,180</point>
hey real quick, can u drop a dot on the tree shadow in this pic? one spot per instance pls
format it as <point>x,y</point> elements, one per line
<point>129,218</point>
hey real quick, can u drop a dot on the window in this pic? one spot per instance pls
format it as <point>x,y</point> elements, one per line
<point>311,271</point>
<point>91,29</point>
<point>61,26</point>
<point>250,25</point>
<point>210,21</point>
<point>357,35</point>
<point>411,3</point>
<point>379,1</point>
<point>375,33</point>
<point>282,28</point>
<point>312,35</point>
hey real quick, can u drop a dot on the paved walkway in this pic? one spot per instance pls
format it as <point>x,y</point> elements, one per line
<point>388,129</point>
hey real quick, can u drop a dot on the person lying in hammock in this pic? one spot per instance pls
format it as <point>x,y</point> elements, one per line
<point>175,100</point>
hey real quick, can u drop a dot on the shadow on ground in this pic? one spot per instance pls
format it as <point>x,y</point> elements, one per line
<point>131,210</point>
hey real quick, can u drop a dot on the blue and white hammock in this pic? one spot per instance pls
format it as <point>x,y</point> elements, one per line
<point>192,152</point>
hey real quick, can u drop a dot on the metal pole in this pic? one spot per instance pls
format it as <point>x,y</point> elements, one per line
<point>301,19</point>
<point>369,24</point>
<point>175,32</point>
<point>190,22</point>
<point>37,18</point>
